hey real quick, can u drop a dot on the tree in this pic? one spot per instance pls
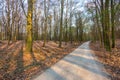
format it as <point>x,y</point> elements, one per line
<point>107,26</point>
<point>70,23</point>
<point>8,21</point>
<point>112,23</point>
<point>61,23</point>
<point>45,22</point>
<point>66,23</point>
<point>102,19</point>
<point>29,39</point>
<point>36,16</point>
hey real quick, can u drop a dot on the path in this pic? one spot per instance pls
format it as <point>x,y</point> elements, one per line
<point>78,65</point>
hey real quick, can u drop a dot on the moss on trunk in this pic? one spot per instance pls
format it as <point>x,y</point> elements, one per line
<point>29,39</point>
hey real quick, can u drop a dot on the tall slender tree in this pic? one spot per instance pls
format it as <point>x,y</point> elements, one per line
<point>112,23</point>
<point>29,39</point>
<point>61,23</point>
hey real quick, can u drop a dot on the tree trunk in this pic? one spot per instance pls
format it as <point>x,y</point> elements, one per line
<point>112,24</point>
<point>107,26</point>
<point>61,22</point>
<point>29,39</point>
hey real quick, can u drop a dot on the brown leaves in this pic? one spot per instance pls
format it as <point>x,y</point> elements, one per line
<point>111,60</point>
<point>23,65</point>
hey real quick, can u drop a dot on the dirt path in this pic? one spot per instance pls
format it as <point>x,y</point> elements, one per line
<point>78,65</point>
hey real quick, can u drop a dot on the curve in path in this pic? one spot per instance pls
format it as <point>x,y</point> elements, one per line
<point>78,65</point>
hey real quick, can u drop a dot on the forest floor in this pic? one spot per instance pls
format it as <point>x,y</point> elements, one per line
<point>16,64</point>
<point>111,60</point>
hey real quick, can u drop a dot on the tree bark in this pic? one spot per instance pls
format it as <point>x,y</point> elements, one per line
<point>29,39</point>
<point>61,22</point>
